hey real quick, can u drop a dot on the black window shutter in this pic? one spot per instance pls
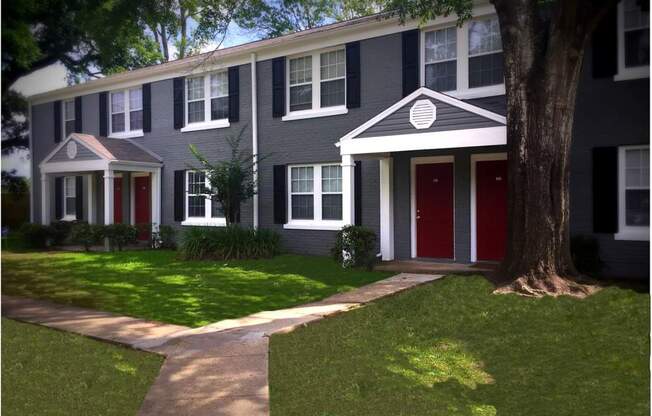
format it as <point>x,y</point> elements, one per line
<point>278,87</point>
<point>357,183</point>
<point>104,114</point>
<point>78,115</point>
<point>58,197</point>
<point>179,195</point>
<point>605,45</point>
<point>280,194</point>
<point>79,197</point>
<point>234,94</point>
<point>57,121</point>
<point>147,107</point>
<point>178,86</point>
<point>410,61</point>
<point>353,75</point>
<point>605,189</point>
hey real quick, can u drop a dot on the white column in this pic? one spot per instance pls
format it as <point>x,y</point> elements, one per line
<point>91,198</point>
<point>387,208</point>
<point>348,190</point>
<point>45,199</point>
<point>156,199</point>
<point>108,196</point>
<point>254,134</point>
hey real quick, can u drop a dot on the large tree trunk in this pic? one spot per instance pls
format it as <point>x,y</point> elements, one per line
<point>543,52</point>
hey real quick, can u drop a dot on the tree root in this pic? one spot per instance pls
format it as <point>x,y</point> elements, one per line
<point>550,285</point>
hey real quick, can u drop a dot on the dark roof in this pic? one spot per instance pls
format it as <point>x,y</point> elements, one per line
<point>117,149</point>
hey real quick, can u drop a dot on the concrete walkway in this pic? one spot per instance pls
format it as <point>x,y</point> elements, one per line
<point>218,369</point>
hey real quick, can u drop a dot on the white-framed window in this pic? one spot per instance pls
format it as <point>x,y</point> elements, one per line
<point>68,117</point>
<point>633,193</point>
<point>207,101</point>
<point>126,113</point>
<point>69,198</point>
<point>316,84</point>
<point>633,41</point>
<point>315,196</point>
<point>201,209</point>
<point>464,61</point>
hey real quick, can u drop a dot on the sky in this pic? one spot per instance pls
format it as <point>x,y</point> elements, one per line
<point>54,77</point>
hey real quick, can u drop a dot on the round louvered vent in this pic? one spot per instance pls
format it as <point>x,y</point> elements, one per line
<point>422,114</point>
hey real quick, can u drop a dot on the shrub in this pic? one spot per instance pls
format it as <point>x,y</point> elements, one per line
<point>60,231</point>
<point>87,234</point>
<point>165,237</point>
<point>120,235</point>
<point>35,235</point>
<point>355,246</point>
<point>229,243</point>
<point>585,251</point>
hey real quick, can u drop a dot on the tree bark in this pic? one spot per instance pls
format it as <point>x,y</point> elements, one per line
<point>543,52</point>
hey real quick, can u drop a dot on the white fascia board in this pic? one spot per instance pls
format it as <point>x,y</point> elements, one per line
<point>487,136</point>
<point>74,166</point>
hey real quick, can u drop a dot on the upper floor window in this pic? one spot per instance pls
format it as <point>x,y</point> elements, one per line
<point>485,53</point>
<point>441,59</point>
<point>68,117</point>
<point>127,112</point>
<point>633,40</point>
<point>207,98</point>
<point>634,193</point>
<point>317,81</point>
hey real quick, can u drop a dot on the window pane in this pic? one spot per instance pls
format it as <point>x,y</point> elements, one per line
<point>219,85</point>
<point>484,36</point>
<point>332,93</point>
<point>331,178</point>
<point>486,70</point>
<point>637,47</point>
<point>70,186</point>
<point>197,206</point>
<point>135,99</point>
<point>117,102</point>
<point>637,203</point>
<point>331,207</point>
<point>635,17</point>
<point>441,45</point>
<point>302,207</point>
<point>301,97</point>
<point>195,88</point>
<point>332,64</point>
<point>195,111</point>
<point>442,76</point>
<point>69,110</point>
<point>302,179</point>
<point>637,168</point>
<point>70,127</point>
<point>71,206</point>
<point>136,120</point>
<point>196,182</point>
<point>217,211</point>
<point>118,122</point>
<point>301,70</point>
<point>219,108</point>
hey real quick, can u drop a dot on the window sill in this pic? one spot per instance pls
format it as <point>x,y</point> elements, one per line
<point>478,92</point>
<point>326,225</point>
<point>322,112</point>
<point>69,218</point>
<point>207,125</point>
<point>127,134</point>
<point>642,234</point>
<point>626,74</point>
<point>205,222</point>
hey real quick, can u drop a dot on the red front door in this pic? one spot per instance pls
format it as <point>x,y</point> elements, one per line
<point>117,200</point>
<point>142,203</point>
<point>491,209</point>
<point>434,189</point>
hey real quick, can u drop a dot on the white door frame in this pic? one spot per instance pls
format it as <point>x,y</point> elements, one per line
<point>413,195</point>
<point>478,157</point>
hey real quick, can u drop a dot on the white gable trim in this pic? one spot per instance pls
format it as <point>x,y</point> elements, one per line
<point>429,93</point>
<point>63,143</point>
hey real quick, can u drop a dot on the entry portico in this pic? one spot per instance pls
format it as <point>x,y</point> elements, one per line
<point>101,180</point>
<point>433,143</point>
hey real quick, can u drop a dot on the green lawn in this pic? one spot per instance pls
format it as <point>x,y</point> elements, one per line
<point>156,285</point>
<point>453,348</point>
<point>48,372</point>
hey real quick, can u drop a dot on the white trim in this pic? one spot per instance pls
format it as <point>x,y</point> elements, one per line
<point>320,112</point>
<point>108,196</point>
<point>205,222</point>
<point>474,219</point>
<point>206,125</point>
<point>413,197</point>
<point>325,225</point>
<point>386,175</point>
<point>625,73</point>
<point>74,166</point>
<point>61,145</point>
<point>155,204</point>
<point>348,190</point>
<point>90,189</point>
<point>486,136</point>
<point>45,198</point>
<point>254,135</point>
<point>127,134</point>
<point>628,232</point>
<point>31,163</point>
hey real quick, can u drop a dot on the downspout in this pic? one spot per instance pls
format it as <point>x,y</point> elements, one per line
<point>254,134</point>
<point>31,161</point>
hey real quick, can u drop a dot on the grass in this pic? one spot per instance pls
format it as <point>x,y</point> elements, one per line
<point>155,284</point>
<point>48,372</point>
<point>453,348</point>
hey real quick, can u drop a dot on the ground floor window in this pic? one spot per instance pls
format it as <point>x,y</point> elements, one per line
<point>315,192</point>
<point>200,207</point>
<point>69,198</point>
<point>634,192</point>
